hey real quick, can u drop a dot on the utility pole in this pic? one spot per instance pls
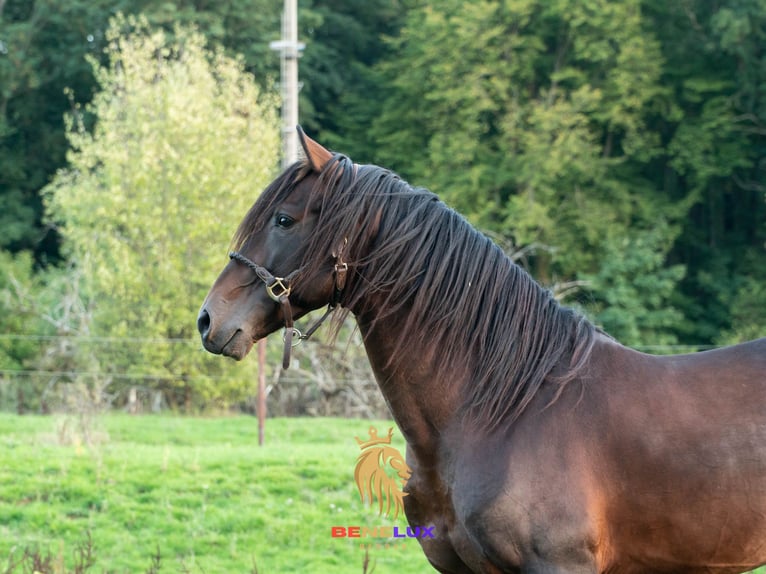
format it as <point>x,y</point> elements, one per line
<point>289,49</point>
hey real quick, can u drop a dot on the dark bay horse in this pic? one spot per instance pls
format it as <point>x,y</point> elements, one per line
<point>537,443</point>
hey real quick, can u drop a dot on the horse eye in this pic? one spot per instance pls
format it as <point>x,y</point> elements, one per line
<point>284,221</point>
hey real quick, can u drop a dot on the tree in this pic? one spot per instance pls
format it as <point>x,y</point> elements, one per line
<point>633,289</point>
<point>43,44</point>
<point>343,39</point>
<point>41,51</point>
<point>532,120</point>
<point>183,142</point>
<point>18,323</point>
<point>713,158</point>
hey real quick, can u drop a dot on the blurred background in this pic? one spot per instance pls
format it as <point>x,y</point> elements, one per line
<point>616,149</point>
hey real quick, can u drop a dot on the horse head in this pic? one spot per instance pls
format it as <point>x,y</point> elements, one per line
<point>264,286</point>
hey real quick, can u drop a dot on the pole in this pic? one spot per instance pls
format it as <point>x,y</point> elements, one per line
<point>290,111</point>
<point>261,407</point>
<point>290,50</point>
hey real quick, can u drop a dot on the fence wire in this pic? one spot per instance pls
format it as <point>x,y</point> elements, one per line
<point>327,384</point>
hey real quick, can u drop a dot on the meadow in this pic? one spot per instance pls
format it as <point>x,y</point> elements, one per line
<point>198,492</point>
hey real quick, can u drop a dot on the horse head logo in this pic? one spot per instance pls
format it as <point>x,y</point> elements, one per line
<point>381,473</point>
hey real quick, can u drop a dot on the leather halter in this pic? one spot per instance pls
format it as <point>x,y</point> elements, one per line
<point>279,289</point>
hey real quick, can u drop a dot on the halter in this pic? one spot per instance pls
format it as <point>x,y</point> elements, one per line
<point>279,289</point>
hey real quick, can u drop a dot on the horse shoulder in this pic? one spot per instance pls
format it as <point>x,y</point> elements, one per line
<point>526,491</point>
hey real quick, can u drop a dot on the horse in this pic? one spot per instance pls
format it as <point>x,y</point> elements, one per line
<point>537,443</point>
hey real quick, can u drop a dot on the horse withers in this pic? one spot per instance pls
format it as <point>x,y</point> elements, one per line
<point>536,442</point>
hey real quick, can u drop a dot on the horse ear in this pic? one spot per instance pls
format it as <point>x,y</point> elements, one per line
<point>317,155</point>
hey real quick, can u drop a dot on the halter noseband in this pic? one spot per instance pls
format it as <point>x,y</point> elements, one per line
<point>279,289</point>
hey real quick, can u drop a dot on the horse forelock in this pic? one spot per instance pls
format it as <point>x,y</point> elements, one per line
<point>489,324</point>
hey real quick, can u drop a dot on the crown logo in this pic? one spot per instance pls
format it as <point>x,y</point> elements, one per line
<point>373,432</point>
<point>381,472</point>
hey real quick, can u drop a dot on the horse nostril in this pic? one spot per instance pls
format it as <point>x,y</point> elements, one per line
<point>203,323</point>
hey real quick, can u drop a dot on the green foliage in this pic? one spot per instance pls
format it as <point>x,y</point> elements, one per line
<point>518,126</point>
<point>43,44</point>
<point>716,142</point>
<point>41,51</point>
<point>745,299</point>
<point>572,127</point>
<point>244,27</point>
<point>183,142</point>
<point>747,312</point>
<point>343,37</point>
<point>633,290</point>
<point>563,127</point>
<point>199,489</point>
<point>31,308</point>
<point>18,286</point>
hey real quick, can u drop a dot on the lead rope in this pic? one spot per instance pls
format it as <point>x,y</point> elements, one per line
<point>287,313</point>
<point>291,333</point>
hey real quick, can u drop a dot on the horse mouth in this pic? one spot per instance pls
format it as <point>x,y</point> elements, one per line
<point>238,346</point>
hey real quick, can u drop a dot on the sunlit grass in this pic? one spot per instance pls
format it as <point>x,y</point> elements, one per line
<point>200,490</point>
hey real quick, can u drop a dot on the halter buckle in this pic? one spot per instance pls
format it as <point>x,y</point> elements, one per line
<point>283,290</point>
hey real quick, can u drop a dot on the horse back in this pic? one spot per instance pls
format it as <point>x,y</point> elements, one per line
<point>681,463</point>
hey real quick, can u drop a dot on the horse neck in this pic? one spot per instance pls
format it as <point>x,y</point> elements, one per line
<point>420,405</point>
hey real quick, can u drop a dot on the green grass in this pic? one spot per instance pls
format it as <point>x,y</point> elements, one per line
<point>200,490</point>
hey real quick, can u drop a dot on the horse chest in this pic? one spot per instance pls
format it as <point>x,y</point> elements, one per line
<point>429,502</point>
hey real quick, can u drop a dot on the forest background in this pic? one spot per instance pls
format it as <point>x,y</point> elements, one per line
<point>616,148</point>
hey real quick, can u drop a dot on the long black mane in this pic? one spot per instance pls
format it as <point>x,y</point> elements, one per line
<point>487,319</point>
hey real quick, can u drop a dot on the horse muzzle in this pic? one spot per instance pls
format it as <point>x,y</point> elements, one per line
<point>231,342</point>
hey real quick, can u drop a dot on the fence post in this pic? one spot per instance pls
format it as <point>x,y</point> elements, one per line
<point>261,390</point>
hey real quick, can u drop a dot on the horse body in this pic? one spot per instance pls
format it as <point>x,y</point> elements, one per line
<point>643,464</point>
<point>536,443</point>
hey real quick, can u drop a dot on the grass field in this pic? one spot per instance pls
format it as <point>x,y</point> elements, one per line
<point>200,490</point>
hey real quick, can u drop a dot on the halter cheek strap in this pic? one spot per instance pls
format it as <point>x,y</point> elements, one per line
<point>279,289</point>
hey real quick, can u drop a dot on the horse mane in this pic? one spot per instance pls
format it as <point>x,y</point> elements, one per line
<point>489,320</point>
